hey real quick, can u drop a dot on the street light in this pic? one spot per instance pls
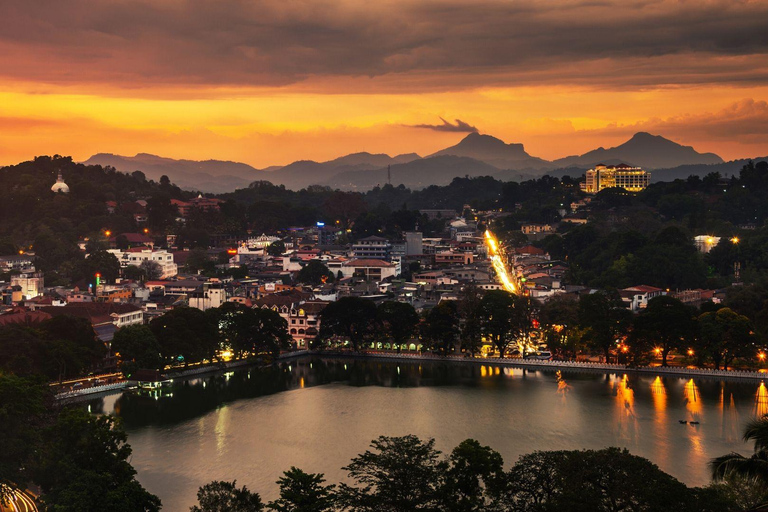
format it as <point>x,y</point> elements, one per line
<point>107,233</point>
<point>735,240</point>
<point>690,352</point>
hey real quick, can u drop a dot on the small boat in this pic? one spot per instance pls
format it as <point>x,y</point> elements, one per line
<point>683,422</point>
<point>694,423</point>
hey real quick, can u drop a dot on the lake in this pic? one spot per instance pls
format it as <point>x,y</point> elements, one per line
<point>318,413</point>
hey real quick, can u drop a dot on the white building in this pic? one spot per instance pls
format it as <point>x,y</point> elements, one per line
<point>705,243</point>
<point>139,255</point>
<point>31,284</point>
<point>369,269</point>
<point>210,295</point>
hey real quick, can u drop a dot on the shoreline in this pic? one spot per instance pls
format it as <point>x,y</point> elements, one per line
<point>571,366</point>
<point>739,375</point>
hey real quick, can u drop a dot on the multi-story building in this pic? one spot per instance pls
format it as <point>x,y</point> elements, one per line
<point>631,179</point>
<point>705,243</point>
<point>139,255</point>
<point>211,294</point>
<point>31,284</point>
<point>369,269</point>
<point>374,247</point>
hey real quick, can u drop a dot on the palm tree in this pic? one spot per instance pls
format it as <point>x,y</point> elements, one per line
<point>754,467</point>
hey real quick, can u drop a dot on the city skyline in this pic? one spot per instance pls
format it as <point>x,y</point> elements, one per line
<point>267,83</point>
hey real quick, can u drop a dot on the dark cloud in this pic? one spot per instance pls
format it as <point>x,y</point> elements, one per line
<point>426,44</point>
<point>459,126</point>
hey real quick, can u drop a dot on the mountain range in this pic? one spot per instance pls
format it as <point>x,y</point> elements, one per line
<point>475,155</point>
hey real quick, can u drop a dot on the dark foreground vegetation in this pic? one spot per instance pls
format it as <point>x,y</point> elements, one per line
<point>403,474</point>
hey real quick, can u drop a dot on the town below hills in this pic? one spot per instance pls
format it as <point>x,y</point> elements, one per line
<point>475,155</point>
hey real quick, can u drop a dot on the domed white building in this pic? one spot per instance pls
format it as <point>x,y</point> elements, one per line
<point>60,186</point>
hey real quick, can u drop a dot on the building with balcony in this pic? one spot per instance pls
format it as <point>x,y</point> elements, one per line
<point>631,179</point>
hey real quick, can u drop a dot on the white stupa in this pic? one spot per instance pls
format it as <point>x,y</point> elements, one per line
<point>60,186</point>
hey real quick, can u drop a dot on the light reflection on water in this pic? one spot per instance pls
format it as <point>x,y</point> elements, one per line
<point>250,425</point>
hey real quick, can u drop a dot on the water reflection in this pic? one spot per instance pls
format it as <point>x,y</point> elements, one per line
<point>761,401</point>
<point>318,413</point>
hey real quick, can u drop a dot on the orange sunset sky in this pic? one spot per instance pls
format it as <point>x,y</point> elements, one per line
<point>268,82</point>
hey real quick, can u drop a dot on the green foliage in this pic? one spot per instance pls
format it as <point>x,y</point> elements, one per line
<point>314,273</point>
<point>603,318</point>
<point>725,335</point>
<point>666,323</point>
<point>303,492</point>
<point>591,481</point>
<point>398,474</point>
<point>276,248</point>
<point>186,332</point>
<point>58,348</point>
<point>138,348</point>
<point>83,466</point>
<point>475,476</point>
<point>504,318</point>
<point>22,413</point>
<point>246,330</point>
<point>398,320</point>
<point>350,318</point>
<point>441,327</point>
<point>220,496</point>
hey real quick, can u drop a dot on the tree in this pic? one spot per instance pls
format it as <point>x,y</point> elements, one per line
<point>754,467</point>
<point>70,346</point>
<point>469,314</point>
<point>134,273</point>
<point>398,320</point>
<point>604,319</point>
<point>666,323</point>
<point>399,474</point>
<point>21,414</point>
<point>559,318</point>
<point>725,335</point>
<point>315,273</point>
<point>352,318</point>
<point>303,492</point>
<point>592,480</point>
<point>505,318</point>
<point>151,269</point>
<point>474,478</point>
<point>103,263</point>
<point>186,334</point>
<point>137,348</point>
<point>441,327</point>
<point>83,466</point>
<point>276,248</point>
<point>219,496</point>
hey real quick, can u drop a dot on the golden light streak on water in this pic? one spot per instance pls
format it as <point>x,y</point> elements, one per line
<point>761,401</point>
<point>692,401</point>
<point>498,263</point>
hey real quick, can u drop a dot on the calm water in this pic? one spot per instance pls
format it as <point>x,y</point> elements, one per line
<point>317,414</point>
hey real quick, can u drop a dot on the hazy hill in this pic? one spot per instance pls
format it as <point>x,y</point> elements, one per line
<point>209,176</point>
<point>302,173</point>
<point>438,170</point>
<point>495,152</point>
<point>645,150</point>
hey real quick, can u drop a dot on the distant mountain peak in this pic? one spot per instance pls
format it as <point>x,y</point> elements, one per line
<point>495,152</point>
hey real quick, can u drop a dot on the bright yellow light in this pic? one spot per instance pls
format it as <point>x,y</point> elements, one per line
<point>710,240</point>
<point>735,240</point>
<point>690,351</point>
<point>107,233</point>
<point>498,264</point>
<point>761,356</point>
<point>657,350</point>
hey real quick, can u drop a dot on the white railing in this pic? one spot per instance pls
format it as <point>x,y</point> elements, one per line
<point>91,390</point>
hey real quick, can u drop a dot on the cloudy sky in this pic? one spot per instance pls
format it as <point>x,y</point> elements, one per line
<point>272,81</point>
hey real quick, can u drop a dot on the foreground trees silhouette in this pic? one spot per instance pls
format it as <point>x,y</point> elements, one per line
<point>404,474</point>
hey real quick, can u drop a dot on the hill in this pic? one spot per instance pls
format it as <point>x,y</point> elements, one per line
<point>644,150</point>
<point>303,173</point>
<point>495,152</point>
<point>417,174</point>
<point>209,175</point>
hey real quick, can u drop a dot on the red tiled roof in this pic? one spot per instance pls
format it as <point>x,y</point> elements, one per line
<point>368,262</point>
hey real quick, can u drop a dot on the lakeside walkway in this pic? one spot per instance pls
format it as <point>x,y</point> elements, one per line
<point>553,365</point>
<point>534,364</point>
